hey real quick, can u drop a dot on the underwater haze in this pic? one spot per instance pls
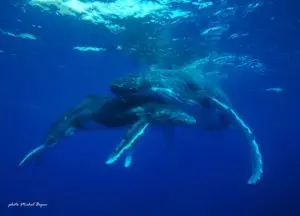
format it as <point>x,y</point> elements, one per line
<point>54,53</point>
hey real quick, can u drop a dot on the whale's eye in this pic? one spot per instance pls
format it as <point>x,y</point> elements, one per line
<point>51,141</point>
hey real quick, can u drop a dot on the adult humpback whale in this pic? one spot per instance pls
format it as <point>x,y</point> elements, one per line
<point>184,89</point>
<point>112,112</point>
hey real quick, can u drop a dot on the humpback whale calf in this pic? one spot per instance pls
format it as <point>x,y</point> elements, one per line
<point>113,112</point>
<point>184,89</point>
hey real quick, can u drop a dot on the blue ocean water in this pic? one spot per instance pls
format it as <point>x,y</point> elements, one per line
<point>205,174</point>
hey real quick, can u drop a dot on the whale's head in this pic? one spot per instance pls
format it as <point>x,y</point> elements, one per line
<point>129,84</point>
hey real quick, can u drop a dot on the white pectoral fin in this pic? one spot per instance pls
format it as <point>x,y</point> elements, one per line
<point>128,159</point>
<point>129,140</point>
<point>32,154</point>
<point>257,162</point>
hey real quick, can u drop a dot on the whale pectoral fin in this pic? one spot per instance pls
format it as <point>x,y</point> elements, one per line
<point>129,140</point>
<point>128,159</point>
<point>257,163</point>
<point>35,153</point>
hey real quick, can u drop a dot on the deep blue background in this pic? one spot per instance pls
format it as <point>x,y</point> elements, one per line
<point>206,174</point>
